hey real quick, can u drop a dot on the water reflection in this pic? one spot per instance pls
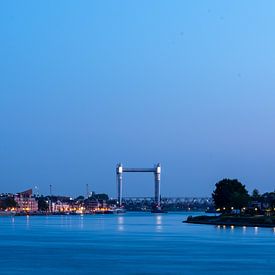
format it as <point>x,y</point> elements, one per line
<point>81,221</point>
<point>159,226</point>
<point>243,229</point>
<point>28,221</point>
<point>120,223</point>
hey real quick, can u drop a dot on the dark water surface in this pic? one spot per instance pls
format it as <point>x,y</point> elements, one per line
<point>133,243</point>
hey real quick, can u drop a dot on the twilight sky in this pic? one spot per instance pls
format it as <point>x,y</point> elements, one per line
<point>87,84</point>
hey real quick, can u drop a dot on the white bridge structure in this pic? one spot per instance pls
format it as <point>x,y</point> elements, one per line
<point>156,170</point>
<point>169,203</point>
<point>167,200</point>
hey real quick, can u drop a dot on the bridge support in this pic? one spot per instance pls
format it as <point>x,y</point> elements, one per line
<point>119,172</point>
<point>157,185</point>
<point>156,170</point>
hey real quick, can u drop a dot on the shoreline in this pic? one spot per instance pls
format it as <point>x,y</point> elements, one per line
<point>232,224</point>
<point>238,221</point>
<point>8,214</point>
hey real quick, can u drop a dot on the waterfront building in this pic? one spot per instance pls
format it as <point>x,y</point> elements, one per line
<point>91,204</point>
<point>26,202</point>
<point>60,206</point>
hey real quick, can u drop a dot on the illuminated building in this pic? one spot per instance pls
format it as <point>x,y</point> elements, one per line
<point>26,202</point>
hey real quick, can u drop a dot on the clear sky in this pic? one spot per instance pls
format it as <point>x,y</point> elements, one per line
<point>87,84</point>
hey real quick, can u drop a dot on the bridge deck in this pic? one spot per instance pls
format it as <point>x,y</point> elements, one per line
<point>139,170</point>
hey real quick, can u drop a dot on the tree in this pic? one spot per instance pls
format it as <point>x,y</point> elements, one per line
<point>230,194</point>
<point>43,205</point>
<point>256,195</point>
<point>8,202</point>
<point>79,198</point>
<point>101,197</point>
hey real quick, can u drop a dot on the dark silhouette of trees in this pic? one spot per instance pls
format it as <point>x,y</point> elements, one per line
<point>230,194</point>
<point>7,202</point>
<point>79,198</point>
<point>256,196</point>
<point>43,205</point>
<point>101,197</point>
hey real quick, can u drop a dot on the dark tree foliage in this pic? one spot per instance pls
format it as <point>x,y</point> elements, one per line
<point>8,202</point>
<point>113,201</point>
<point>256,196</point>
<point>79,198</point>
<point>269,198</point>
<point>43,204</point>
<point>230,193</point>
<point>101,197</point>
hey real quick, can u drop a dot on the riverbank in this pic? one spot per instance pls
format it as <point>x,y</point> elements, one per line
<point>106,212</point>
<point>229,220</point>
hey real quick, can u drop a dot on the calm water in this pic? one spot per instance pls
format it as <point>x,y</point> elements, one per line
<point>131,244</point>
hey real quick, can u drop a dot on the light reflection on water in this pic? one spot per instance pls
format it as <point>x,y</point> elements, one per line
<point>28,221</point>
<point>159,223</point>
<point>243,228</point>
<point>81,221</point>
<point>120,222</point>
<point>133,243</point>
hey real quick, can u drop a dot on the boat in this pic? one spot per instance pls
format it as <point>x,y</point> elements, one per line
<point>104,212</point>
<point>119,211</point>
<point>158,209</point>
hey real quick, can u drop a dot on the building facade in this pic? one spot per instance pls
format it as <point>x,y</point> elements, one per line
<point>26,202</point>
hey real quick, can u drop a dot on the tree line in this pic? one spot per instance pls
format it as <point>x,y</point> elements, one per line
<point>231,194</point>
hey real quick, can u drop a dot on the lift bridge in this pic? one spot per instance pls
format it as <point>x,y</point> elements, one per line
<point>156,170</point>
<point>156,200</point>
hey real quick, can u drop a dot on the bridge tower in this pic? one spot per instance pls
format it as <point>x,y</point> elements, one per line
<point>156,170</point>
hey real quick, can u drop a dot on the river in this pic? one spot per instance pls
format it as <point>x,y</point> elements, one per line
<point>132,243</point>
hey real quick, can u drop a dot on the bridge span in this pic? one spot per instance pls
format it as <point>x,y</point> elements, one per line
<point>171,199</point>
<point>156,170</point>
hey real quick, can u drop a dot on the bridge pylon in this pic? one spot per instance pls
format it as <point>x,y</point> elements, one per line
<point>156,170</point>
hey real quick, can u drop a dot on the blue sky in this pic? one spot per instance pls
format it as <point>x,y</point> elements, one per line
<point>87,84</point>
